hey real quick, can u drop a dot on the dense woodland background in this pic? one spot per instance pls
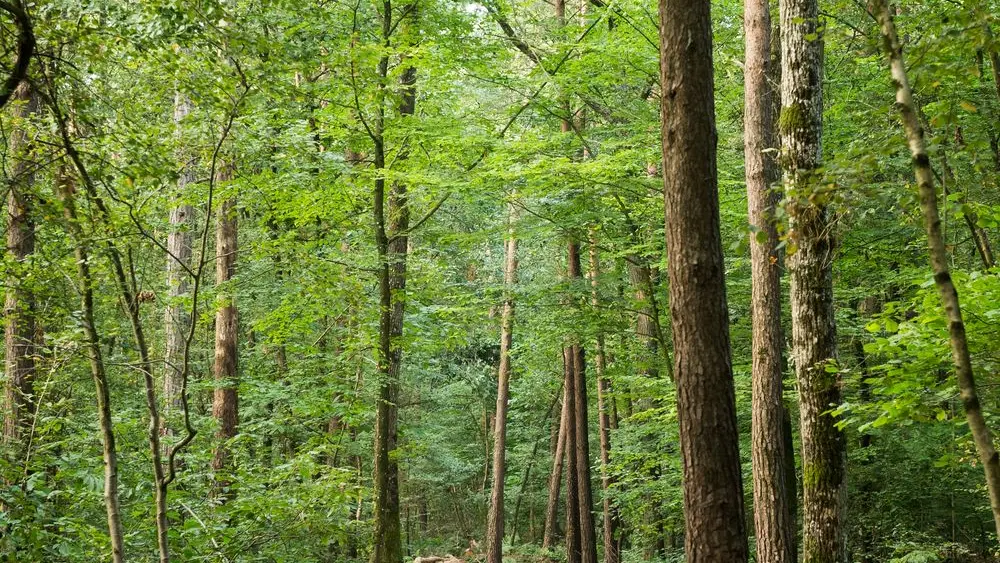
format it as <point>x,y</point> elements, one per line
<point>287,227</point>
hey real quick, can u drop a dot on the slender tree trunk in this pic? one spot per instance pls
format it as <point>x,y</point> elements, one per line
<point>555,478</point>
<point>527,469</point>
<point>773,523</point>
<point>109,453</point>
<point>392,223</point>
<point>19,305</point>
<point>495,518</point>
<point>225,403</point>
<point>706,403</point>
<point>994,62</point>
<point>939,260</point>
<point>581,439</point>
<point>814,342</point>
<point>980,238</point>
<point>573,554</point>
<point>130,302</point>
<point>612,542</point>
<point>176,318</point>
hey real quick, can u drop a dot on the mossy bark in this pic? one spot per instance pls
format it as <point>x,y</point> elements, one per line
<point>811,240</point>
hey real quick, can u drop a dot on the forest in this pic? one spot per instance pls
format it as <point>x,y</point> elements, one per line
<point>534,281</point>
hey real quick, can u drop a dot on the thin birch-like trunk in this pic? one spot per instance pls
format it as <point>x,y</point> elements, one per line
<point>981,435</point>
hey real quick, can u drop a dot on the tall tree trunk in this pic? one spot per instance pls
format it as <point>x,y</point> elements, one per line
<point>495,518</point>
<point>392,223</point>
<point>109,452</point>
<point>939,261</point>
<point>19,305</point>
<point>773,523</point>
<point>573,554</point>
<point>814,342</point>
<point>225,406</point>
<point>612,542</point>
<point>581,441</point>
<point>176,318</point>
<point>555,478</point>
<point>706,403</point>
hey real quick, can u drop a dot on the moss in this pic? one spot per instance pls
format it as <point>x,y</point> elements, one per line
<point>812,475</point>
<point>792,117</point>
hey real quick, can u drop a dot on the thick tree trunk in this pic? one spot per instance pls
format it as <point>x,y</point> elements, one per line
<point>19,305</point>
<point>225,407</point>
<point>392,224</point>
<point>814,342</point>
<point>555,478</point>
<point>495,518</point>
<point>176,318</point>
<point>108,449</point>
<point>939,261</point>
<point>773,523</point>
<point>706,404</point>
<point>612,541</point>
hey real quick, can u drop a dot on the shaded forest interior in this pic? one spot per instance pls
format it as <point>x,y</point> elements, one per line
<point>500,280</point>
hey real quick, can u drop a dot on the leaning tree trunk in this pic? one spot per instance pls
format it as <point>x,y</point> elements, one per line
<point>176,318</point>
<point>939,260</point>
<point>85,278</point>
<point>773,521</point>
<point>495,518</point>
<point>555,478</point>
<point>225,407</point>
<point>706,403</point>
<point>814,342</point>
<point>19,306</point>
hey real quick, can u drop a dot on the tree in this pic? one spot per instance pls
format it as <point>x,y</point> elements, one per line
<point>495,519</point>
<point>961,358</point>
<point>85,278</point>
<point>19,306</point>
<point>773,520</point>
<point>574,357</point>
<point>176,320</point>
<point>606,420</point>
<point>225,369</point>
<point>555,477</point>
<point>706,405</point>
<point>392,225</point>
<point>811,242</point>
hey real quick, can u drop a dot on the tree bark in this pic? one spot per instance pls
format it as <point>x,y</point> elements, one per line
<point>495,518</point>
<point>573,554</point>
<point>581,442</point>
<point>225,401</point>
<point>773,523</point>
<point>108,450</point>
<point>612,541</point>
<point>814,343</point>
<point>706,404</point>
<point>527,469</point>
<point>555,478</point>
<point>176,318</point>
<point>392,223</point>
<point>939,260</point>
<point>19,305</point>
